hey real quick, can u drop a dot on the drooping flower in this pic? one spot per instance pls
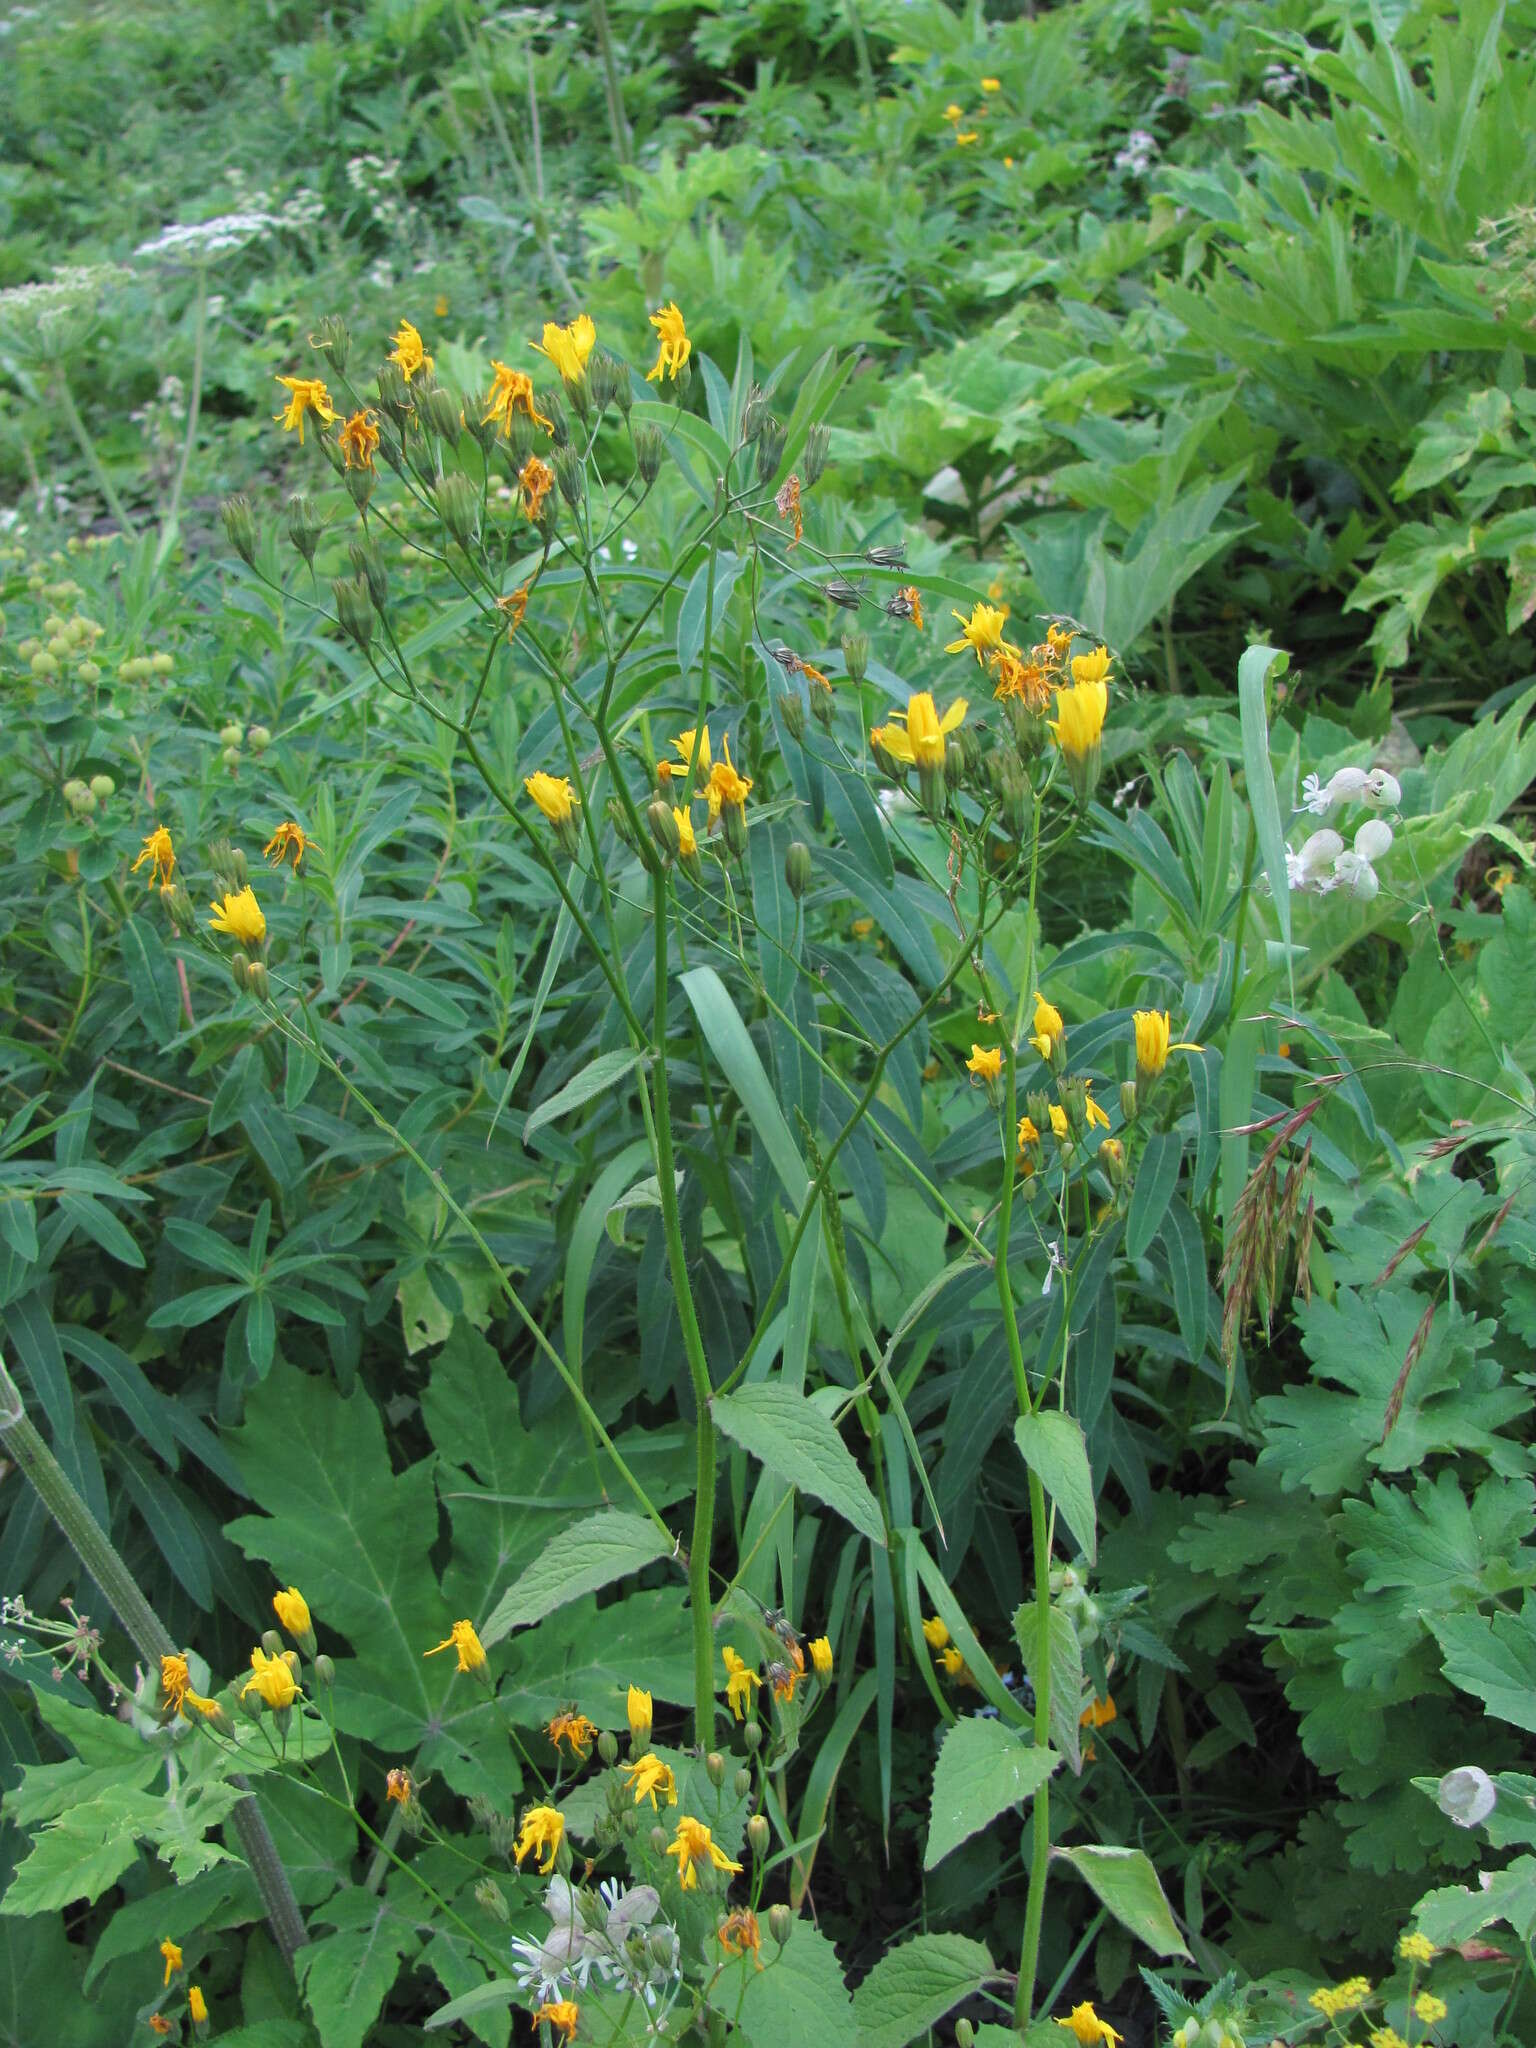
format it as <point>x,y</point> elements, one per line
<point>649,1778</point>
<point>272,1678</point>
<point>725,785</point>
<point>1028,1139</point>
<point>575,1730</point>
<point>985,1062</point>
<point>568,347</point>
<point>462,1638</point>
<point>1091,668</point>
<point>536,480</point>
<point>787,504</point>
<point>359,440</point>
<point>740,1683</point>
<point>553,795</point>
<point>785,1675</point>
<point>1152,1048</point>
<point>919,736</point>
<point>1092,1111</point>
<point>739,1934</point>
<point>399,1786</point>
<point>515,606</point>
<point>289,838</point>
<point>639,1703</point>
<point>197,2005</point>
<point>305,394</point>
<point>172,1956</point>
<point>239,914</point>
<point>158,849</point>
<point>199,1704</point>
<point>694,1849</point>
<point>821,1656</point>
<point>562,2014</point>
<point>683,744</point>
<point>1061,1130</point>
<point>511,392</point>
<point>982,631</point>
<point>675,347</point>
<point>408,351</point>
<point>1050,1031</point>
<point>541,1834</point>
<point>687,841</point>
<point>935,1632</point>
<point>1087,2029</point>
<point>292,1611</point>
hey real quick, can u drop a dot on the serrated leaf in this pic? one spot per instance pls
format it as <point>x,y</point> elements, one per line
<point>911,1988</point>
<point>590,1554</point>
<point>791,1436</point>
<point>1125,1882</point>
<point>983,1769</point>
<point>1494,1657</point>
<point>1052,1445</point>
<point>802,1998</point>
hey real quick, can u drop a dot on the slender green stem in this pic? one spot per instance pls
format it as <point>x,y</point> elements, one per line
<point>194,407</point>
<point>87,448</point>
<point>623,149</point>
<point>1040,1845</point>
<point>693,1346</point>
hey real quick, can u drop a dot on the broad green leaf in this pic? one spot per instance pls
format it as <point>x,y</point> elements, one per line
<point>1185,1245</point>
<point>599,1077</point>
<point>1455,1913</point>
<point>794,1438</point>
<point>590,1554</point>
<point>1066,1674</point>
<point>1052,1446</point>
<point>728,1040</point>
<point>1494,1657</point>
<point>346,1975</point>
<point>1255,668</point>
<point>801,1998</point>
<point>912,1987</point>
<point>1126,1883</point>
<point>983,1769</point>
<point>500,1991</point>
<point>1157,1175</point>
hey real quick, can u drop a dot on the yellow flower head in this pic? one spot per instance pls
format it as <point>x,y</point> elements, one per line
<point>935,1632</point>
<point>786,1676</point>
<point>408,351</point>
<point>953,1662</point>
<point>1061,1130</point>
<point>1416,1948</point>
<point>985,1062</point>
<point>922,741</point>
<point>1013,676</point>
<point>172,1956</point>
<point>1431,2010</point>
<point>639,1710</point>
<point>683,744</point>
<point>1092,1111</point>
<point>910,602</point>
<point>1387,2037</point>
<point>1091,668</point>
<point>574,1729</point>
<point>399,1786</point>
<point>675,346</point>
<point>292,1611</point>
<point>289,838</point>
<point>536,480</point>
<point>511,392</point>
<point>983,630</point>
<point>553,795</point>
<point>1346,1997</point>
<point>1058,639</point>
<point>1152,1047</point>
<point>1086,2028</point>
<point>197,2005</point>
<point>739,1684</point>
<point>821,1656</point>
<point>687,844</point>
<point>954,111</point>
<point>1079,721</point>
<point>1028,1135</point>
<point>649,1778</point>
<point>964,137</point>
<point>562,2014</point>
<point>568,347</point>
<point>462,1638</point>
<point>541,1834</point>
<point>1049,1028</point>
<point>692,1847</point>
<point>991,85</point>
<point>725,785</point>
<point>305,394</point>
<point>1098,1713</point>
<point>209,1709</point>
<point>359,440</point>
<point>158,849</point>
<point>239,914</point>
<point>272,1678</point>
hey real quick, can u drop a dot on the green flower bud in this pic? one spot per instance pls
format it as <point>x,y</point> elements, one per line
<point>231,758</point>
<point>394,393</point>
<point>458,503</point>
<point>608,1747</point>
<point>258,739</point>
<point>1128,1101</point>
<point>752,1736</point>
<point>240,526</point>
<point>742,1782</point>
<point>733,820</point>
<point>954,764</point>
<point>602,379</point>
<point>354,608</point>
<point>714,1766</point>
<point>856,655</point>
<point>88,672</point>
<point>623,397</point>
<point>758,1834</point>
<point>814,460</point>
<point>754,413</point>
<point>489,1897</point>
<point>570,477</point>
<point>304,527</point>
<point>102,787</point>
<point>231,735</point>
<point>43,663</point>
<point>369,564</point>
<point>658,1841</point>
<point>792,711</point>
<point>780,1921</point>
<point>441,413</point>
<point>332,339</point>
<point>664,831</point>
<point>797,868</point>
<point>770,449</point>
<point>360,484</point>
<point>965,2034</point>
<point>649,449</point>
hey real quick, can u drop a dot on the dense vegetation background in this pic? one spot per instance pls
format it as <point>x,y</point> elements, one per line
<point>1203,327</point>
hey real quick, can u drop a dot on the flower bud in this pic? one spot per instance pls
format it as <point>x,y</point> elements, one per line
<point>649,449</point>
<point>359,484</point>
<point>602,379</point>
<point>332,339</point>
<point>662,1943</point>
<point>570,476</point>
<point>1128,1101</point>
<point>89,673</point>
<point>797,868</point>
<point>856,655</point>
<point>43,663</point>
<point>813,460</point>
<point>354,608</point>
<point>579,391</point>
<point>1112,1159</point>
<point>733,820</point>
<point>742,1782</point>
<point>892,769</point>
<point>623,396</point>
<point>325,1669</point>
<point>658,816</point>
<point>303,526</point>
<point>231,758</point>
<point>489,1897</point>
<point>618,818</point>
<point>441,413</point>
<point>333,455</point>
<point>608,1747</point>
<point>552,404</point>
<point>394,393</point>
<point>780,1921</point>
<point>272,1642</point>
<point>658,1841</point>
<point>231,735</point>
<point>754,413</point>
<point>458,504</point>
<point>821,701</point>
<point>954,764</point>
<point>965,2034</point>
<point>240,527</point>
<point>714,1766</point>
<point>102,787</point>
<point>752,1736</point>
<point>770,449</point>
<point>369,564</point>
<point>792,711</point>
<point>758,1834</point>
<point>258,739</point>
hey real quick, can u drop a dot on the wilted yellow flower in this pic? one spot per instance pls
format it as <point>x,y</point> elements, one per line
<point>1086,2028</point>
<point>568,347</point>
<point>541,1834</point>
<point>649,1778</point>
<point>922,741</point>
<point>1049,1031</point>
<point>983,630</point>
<point>515,605</point>
<point>1091,668</point>
<point>687,844</point>
<point>639,1705</point>
<point>786,1676</point>
<point>1058,639</point>
<point>462,1638</point>
<point>272,1678</point>
<point>172,1956</point>
<point>399,1786</point>
<point>359,441</point>
<point>197,2005</point>
<point>786,503</point>
<point>935,1632</point>
<point>553,795</point>
<point>1028,1135</point>
<point>1152,1047</point>
<point>675,346</point>
<point>911,602</point>
<point>574,1729</point>
<point>739,1934</point>
<point>158,849</point>
<point>1431,2010</point>
<point>158,2024</point>
<point>289,838</point>
<point>1079,721</point>
<point>305,394</point>
<point>821,1656</point>
<point>239,914</point>
<point>692,1846</point>
<point>985,1062</point>
<point>536,480</point>
<point>562,2014</point>
<point>196,1701</point>
<point>292,1611</point>
<point>1416,1948</point>
<point>408,351</point>
<point>511,391</point>
<point>739,1685</point>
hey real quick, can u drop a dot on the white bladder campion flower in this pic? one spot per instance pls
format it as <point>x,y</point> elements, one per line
<point>1466,1796</point>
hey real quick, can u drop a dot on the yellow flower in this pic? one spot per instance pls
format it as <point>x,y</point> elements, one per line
<point>1387,2037</point>
<point>157,848</point>
<point>553,795</point>
<point>515,605</point>
<point>922,742</point>
<point>1417,1948</point>
<point>172,1956</point>
<point>1061,1130</point>
<point>1345,1997</point>
<point>511,391</point>
<point>725,785</point>
<point>1092,1111</point>
<point>1016,677</point>
<point>991,85</point>
<point>1086,2028</point>
<point>648,1776</point>
<point>289,838</point>
<point>462,1638</point>
<point>562,2014</point>
<point>1431,2010</point>
<point>739,1934</point>
<point>399,1786</point>
<point>953,1662</point>
<point>1091,668</point>
<point>197,2005</point>
<point>954,111</point>
<point>536,480</point>
<point>272,1678</point>
<point>1152,1047</point>
<point>639,1706</point>
<point>742,1679</point>
<point>683,743</point>
<point>359,441</point>
<point>305,394</point>
<point>1079,721</point>
<point>292,1611</point>
<point>675,346</point>
<point>1028,1135</point>
<point>1050,1030</point>
<point>692,1845</point>
<point>575,1729</point>
<point>985,1062</point>
<point>911,599</point>
<point>542,1832</point>
<point>935,1632</point>
<point>966,136</point>
<point>568,347</point>
<point>209,1709</point>
<point>1058,639</point>
<point>787,1676</point>
<point>687,844</point>
<point>408,351</point>
<point>821,1656</point>
<point>240,915</point>
<point>440,306</point>
<point>1098,1713</point>
<point>983,630</point>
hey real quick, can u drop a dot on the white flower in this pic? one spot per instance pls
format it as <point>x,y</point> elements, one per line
<point>1383,789</point>
<point>1055,1264</point>
<point>1352,871</point>
<point>1308,869</point>
<point>215,237</point>
<point>1466,1796</point>
<point>1314,797</point>
<point>1373,839</point>
<point>549,1966</point>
